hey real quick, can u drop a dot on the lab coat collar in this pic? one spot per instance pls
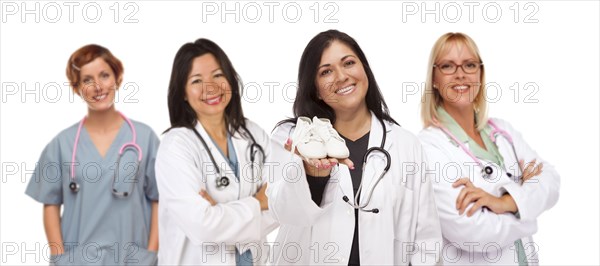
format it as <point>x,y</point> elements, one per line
<point>249,181</point>
<point>376,160</point>
<point>376,133</point>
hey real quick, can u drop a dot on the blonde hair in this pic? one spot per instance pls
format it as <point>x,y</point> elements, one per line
<point>431,98</point>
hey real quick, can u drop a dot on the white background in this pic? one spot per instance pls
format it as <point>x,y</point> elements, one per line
<point>557,53</point>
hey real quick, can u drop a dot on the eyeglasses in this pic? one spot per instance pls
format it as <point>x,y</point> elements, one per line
<point>449,68</point>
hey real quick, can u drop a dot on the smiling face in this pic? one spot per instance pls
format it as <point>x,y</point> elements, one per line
<point>98,85</point>
<point>341,79</point>
<point>460,89</point>
<point>207,90</point>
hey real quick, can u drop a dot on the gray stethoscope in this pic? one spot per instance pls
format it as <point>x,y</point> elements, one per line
<point>222,180</point>
<point>74,186</point>
<point>388,160</point>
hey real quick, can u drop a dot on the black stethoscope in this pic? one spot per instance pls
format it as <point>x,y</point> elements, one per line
<point>385,169</point>
<point>222,180</point>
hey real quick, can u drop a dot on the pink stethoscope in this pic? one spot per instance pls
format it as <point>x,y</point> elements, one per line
<point>74,186</point>
<point>486,170</point>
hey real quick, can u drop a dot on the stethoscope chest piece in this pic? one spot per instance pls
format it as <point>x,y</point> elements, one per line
<point>74,187</point>
<point>222,182</point>
<point>488,170</point>
<point>120,194</point>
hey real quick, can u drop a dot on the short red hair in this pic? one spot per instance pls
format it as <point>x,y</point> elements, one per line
<point>87,54</point>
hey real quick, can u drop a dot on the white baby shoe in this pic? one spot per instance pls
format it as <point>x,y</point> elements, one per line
<point>334,144</point>
<point>309,145</point>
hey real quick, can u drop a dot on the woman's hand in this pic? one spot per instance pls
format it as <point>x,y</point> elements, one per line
<point>261,196</point>
<point>319,167</point>
<point>53,229</point>
<point>530,170</point>
<point>207,197</point>
<point>480,198</point>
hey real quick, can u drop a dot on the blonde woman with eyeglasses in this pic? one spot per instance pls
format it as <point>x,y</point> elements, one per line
<point>490,185</point>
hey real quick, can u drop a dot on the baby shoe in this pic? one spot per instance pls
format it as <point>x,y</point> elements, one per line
<point>309,145</point>
<point>334,144</point>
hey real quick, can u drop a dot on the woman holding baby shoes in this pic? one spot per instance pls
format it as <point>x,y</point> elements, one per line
<point>357,197</point>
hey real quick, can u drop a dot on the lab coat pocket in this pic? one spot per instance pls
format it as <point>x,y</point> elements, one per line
<point>404,226</point>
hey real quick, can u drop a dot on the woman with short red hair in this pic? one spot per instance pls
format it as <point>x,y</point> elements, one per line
<point>101,172</point>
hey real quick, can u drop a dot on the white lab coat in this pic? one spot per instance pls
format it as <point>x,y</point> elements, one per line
<point>191,231</point>
<point>486,237</point>
<point>404,231</point>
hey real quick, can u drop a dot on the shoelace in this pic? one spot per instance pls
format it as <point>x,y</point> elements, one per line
<point>303,136</point>
<point>326,132</point>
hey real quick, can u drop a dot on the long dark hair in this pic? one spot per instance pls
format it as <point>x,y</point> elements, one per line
<point>181,113</point>
<point>307,102</point>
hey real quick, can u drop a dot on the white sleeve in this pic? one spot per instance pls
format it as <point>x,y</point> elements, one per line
<point>179,181</point>
<point>474,232</point>
<point>539,193</point>
<point>428,231</point>
<point>268,222</point>
<point>289,195</point>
